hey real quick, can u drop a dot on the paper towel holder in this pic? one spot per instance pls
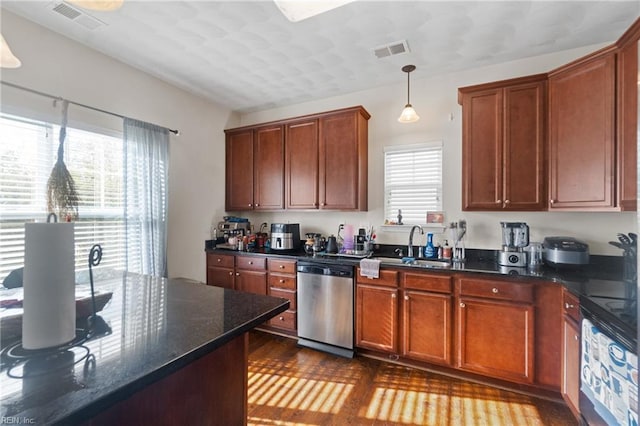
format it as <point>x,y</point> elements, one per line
<point>97,326</point>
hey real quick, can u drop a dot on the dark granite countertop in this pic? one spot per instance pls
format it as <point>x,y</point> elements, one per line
<point>158,326</point>
<point>599,285</point>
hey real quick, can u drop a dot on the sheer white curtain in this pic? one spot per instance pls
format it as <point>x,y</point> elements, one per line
<point>146,164</point>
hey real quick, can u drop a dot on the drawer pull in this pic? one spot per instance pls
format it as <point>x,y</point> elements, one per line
<point>219,260</point>
<point>251,262</point>
<point>281,318</point>
<point>281,281</point>
<point>462,305</point>
<point>406,298</point>
<point>230,273</point>
<point>393,295</point>
<point>281,266</point>
<point>237,274</point>
<point>494,290</point>
<point>568,305</point>
<point>576,337</point>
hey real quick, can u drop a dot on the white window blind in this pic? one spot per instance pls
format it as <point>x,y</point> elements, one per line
<point>413,181</point>
<point>28,150</point>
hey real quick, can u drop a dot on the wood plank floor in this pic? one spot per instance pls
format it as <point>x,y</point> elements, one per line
<point>289,385</point>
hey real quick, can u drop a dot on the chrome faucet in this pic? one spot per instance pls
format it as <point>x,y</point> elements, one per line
<point>410,247</point>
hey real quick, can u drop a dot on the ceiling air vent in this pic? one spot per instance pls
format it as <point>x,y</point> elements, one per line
<point>76,15</point>
<point>395,48</point>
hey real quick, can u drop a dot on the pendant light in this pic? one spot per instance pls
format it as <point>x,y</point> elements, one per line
<point>408,114</point>
<point>7,58</point>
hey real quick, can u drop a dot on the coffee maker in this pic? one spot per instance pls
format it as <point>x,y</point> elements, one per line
<point>515,237</point>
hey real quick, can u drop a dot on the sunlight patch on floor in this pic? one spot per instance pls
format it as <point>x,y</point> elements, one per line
<point>293,393</point>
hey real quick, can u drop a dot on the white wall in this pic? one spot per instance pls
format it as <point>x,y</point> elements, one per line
<point>435,99</point>
<point>59,66</point>
<point>56,65</point>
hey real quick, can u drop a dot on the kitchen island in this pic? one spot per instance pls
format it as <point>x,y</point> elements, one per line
<point>176,353</point>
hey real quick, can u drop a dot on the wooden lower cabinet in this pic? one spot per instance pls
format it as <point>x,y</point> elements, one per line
<point>426,326</point>
<point>570,387</point>
<point>221,270</point>
<point>251,274</point>
<point>377,317</point>
<point>282,282</point>
<point>495,338</point>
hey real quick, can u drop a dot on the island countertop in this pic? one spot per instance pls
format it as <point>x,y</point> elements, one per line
<point>158,326</point>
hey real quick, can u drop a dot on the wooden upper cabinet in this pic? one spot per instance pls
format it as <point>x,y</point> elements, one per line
<point>343,160</point>
<point>581,138</point>
<point>255,169</point>
<point>503,152</point>
<point>268,185</point>
<point>301,169</point>
<point>627,118</point>
<point>239,170</point>
<point>317,161</point>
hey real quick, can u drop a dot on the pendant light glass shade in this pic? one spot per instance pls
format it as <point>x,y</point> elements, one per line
<point>101,5</point>
<point>7,58</point>
<point>408,114</point>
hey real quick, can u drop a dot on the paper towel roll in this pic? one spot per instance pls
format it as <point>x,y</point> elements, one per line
<point>49,317</point>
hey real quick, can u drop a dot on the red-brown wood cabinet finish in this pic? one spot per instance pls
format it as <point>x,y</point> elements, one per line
<point>582,134</point>
<point>221,270</point>
<point>212,390</point>
<point>427,318</point>
<point>377,312</point>
<point>312,162</point>
<point>302,165</point>
<point>627,117</point>
<point>282,282</point>
<point>570,387</point>
<point>495,328</point>
<point>503,141</point>
<point>255,169</point>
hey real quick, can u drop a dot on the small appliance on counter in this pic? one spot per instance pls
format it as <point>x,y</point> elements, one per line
<point>565,252</point>
<point>230,229</point>
<point>285,236</point>
<point>515,237</point>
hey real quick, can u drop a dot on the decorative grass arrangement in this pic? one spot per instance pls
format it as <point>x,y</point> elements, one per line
<point>62,196</point>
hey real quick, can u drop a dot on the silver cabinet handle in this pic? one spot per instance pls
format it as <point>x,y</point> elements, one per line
<point>494,290</point>
<point>576,337</point>
<point>406,298</point>
<point>393,295</point>
<point>498,201</point>
<point>462,305</point>
<point>251,262</point>
<point>507,201</point>
<point>237,274</point>
<point>219,260</point>
<point>552,201</point>
<point>230,273</point>
<point>568,306</point>
<point>281,266</point>
<point>281,281</point>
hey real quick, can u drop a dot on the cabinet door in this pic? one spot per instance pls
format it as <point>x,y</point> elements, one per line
<point>524,145</point>
<point>268,185</point>
<point>496,339</point>
<point>571,363</point>
<point>376,318</point>
<point>220,277</point>
<point>239,171</point>
<point>482,144</point>
<point>251,282</point>
<point>301,170</point>
<point>340,157</point>
<point>627,126</point>
<point>426,327</point>
<point>581,114</point>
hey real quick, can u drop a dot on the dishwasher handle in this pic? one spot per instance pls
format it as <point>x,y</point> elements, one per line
<point>345,271</point>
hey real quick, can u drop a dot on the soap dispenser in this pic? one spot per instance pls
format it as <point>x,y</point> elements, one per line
<point>429,248</point>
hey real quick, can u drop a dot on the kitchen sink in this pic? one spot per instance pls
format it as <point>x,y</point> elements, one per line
<point>419,263</point>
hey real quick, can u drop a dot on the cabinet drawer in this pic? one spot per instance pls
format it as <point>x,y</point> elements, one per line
<point>427,282</point>
<point>571,306</point>
<point>387,278</point>
<point>290,295</point>
<point>503,290</point>
<point>286,320</point>
<point>253,263</point>
<point>282,281</point>
<point>282,266</point>
<point>220,260</point>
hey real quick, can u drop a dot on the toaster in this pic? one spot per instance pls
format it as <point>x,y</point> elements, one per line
<point>565,252</point>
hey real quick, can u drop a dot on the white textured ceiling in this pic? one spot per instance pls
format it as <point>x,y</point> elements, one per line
<point>247,56</point>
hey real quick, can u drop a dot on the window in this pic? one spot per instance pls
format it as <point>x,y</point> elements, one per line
<point>28,150</point>
<point>412,181</point>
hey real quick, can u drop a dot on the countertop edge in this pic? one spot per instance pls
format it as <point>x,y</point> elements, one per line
<point>95,407</point>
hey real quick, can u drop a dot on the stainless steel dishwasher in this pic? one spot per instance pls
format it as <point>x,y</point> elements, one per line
<point>325,307</point>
